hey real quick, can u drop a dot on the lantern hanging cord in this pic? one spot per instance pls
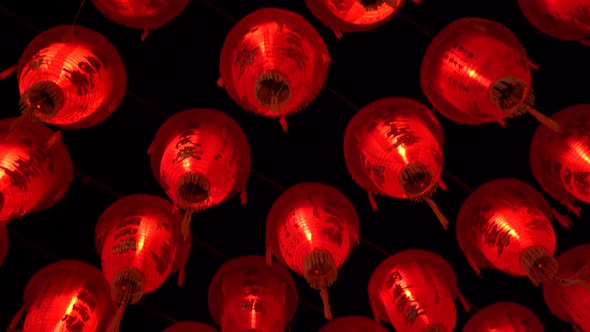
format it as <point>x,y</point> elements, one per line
<point>77,16</point>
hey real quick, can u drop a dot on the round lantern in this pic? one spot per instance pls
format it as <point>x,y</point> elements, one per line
<point>247,294</point>
<point>561,161</point>
<point>475,71</point>
<point>273,63</point>
<point>72,77</point>
<point>33,175</point>
<point>354,15</point>
<point>506,224</point>
<point>414,290</point>
<point>505,317</point>
<point>353,324</point>
<point>66,296</point>
<point>393,147</point>
<point>312,228</point>
<point>137,239</point>
<point>569,296</point>
<point>565,19</point>
<point>141,14</point>
<point>201,158</point>
<point>188,326</point>
<point>3,243</point>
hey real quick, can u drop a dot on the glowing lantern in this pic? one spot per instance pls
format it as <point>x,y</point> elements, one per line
<point>505,317</point>
<point>273,63</point>
<point>247,294</point>
<point>506,224</point>
<point>312,228</point>
<point>414,290</point>
<point>393,147</point>
<point>568,297</point>
<point>354,15</point>
<point>189,326</point>
<point>71,77</point>
<point>475,71</point>
<point>201,158</point>
<point>561,161</point>
<point>3,243</point>
<point>137,239</point>
<point>561,19</point>
<point>353,324</point>
<point>66,296</point>
<point>33,175</point>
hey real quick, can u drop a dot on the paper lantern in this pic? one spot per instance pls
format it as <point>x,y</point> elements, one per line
<point>188,326</point>
<point>273,63</point>
<point>3,243</point>
<point>560,161</point>
<point>393,147</point>
<point>561,19</point>
<point>354,15</point>
<point>72,77</point>
<point>247,294</point>
<point>136,237</point>
<point>201,158</point>
<point>504,317</point>
<point>475,71</point>
<point>568,296</point>
<point>146,15</point>
<point>66,296</point>
<point>353,324</point>
<point>414,290</point>
<point>312,228</point>
<point>33,175</point>
<point>506,224</point>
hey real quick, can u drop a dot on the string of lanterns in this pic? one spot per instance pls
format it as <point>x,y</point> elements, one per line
<point>274,63</point>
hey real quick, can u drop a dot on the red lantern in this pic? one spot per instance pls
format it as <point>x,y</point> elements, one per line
<point>505,317</point>
<point>247,294</point>
<point>71,77</point>
<point>393,147</point>
<point>66,296</point>
<point>353,324</point>
<point>33,175</point>
<point>273,63</point>
<point>354,15</point>
<point>561,19</point>
<point>141,14</point>
<point>201,158</point>
<point>568,297</point>
<point>561,162</point>
<point>506,224</point>
<point>3,243</point>
<point>312,228</point>
<point>188,326</point>
<point>137,239</point>
<point>414,290</point>
<point>475,71</point>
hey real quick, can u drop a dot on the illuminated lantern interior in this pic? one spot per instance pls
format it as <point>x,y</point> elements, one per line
<point>33,175</point>
<point>137,239</point>
<point>141,14</point>
<point>561,161</point>
<point>414,290</point>
<point>312,228</point>
<point>504,317</point>
<point>475,71</point>
<point>353,324</point>
<point>506,224</point>
<point>561,19</point>
<point>393,147</point>
<point>273,63</point>
<point>188,326</point>
<point>72,77</point>
<point>247,294</point>
<point>568,298</point>
<point>66,296</point>
<point>200,157</point>
<point>3,243</point>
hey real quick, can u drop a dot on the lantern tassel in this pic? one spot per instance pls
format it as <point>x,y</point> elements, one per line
<point>549,123</point>
<point>570,206</point>
<point>372,201</point>
<point>220,82</point>
<point>186,223</point>
<point>326,303</point>
<point>181,275</point>
<point>7,72</point>
<point>16,319</point>
<point>532,65</point>
<point>338,34</point>
<point>442,185</point>
<point>438,213</point>
<point>144,34</point>
<point>268,253</point>
<point>283,122</point>
<point>464,302</point>
<point>54,138</point>
<point>474,266</point>
<point>116,322</point>
<point>243,196</point>
<point>563,221</point>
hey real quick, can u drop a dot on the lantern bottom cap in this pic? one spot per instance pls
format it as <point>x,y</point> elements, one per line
<point>128,286</point>
<point>512,96</point>
<point>320,269</point>
<point>417,181</point>
<point>192,188</point>
<point>44,99</point>
<point>272,90</point>
<point>539,264</point>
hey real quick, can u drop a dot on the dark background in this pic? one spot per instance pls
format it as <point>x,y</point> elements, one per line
<point>177,67</point>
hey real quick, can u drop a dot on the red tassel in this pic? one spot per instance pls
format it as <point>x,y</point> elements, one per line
<point>283,122</point>
<point>464,302</point>
<point>144,34</point>
<point>181,276</point>
<point>243,196</point>
<point>7,72</point>
<point>16,320</point>
<point>54,138</point>
<point>564,221</point>
<point>372,201</point>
